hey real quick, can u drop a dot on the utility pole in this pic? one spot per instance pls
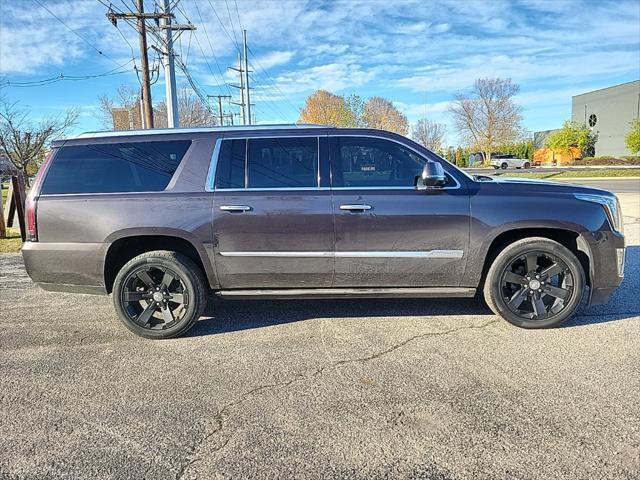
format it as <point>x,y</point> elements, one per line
<point>221,113</point>
<point>144,61</point>
<point>168,56</point>
<point>140,18</point>
<point>242,103</point>
<point>246,73</point>
<point>169,70</point>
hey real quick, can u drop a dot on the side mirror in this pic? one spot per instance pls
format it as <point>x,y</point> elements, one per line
<point>432,176</point>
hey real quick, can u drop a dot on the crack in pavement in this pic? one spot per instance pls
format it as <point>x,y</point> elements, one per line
<point>193,455</point>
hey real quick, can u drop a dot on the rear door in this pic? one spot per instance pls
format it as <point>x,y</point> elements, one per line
<point>272,215</point>
<point>388,234</point>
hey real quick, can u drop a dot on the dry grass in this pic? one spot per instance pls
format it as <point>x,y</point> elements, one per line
<point>13,242</point>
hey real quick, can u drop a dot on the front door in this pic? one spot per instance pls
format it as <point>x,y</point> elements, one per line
<point>272,221</point>
<point>388,234</point>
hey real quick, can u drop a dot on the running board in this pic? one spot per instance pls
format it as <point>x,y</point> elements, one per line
<point>282,293</point>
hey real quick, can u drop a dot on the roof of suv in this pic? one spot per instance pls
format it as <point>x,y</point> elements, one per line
<point>158,131</point>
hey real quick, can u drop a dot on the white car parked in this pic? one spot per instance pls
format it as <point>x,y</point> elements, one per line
<point>509,161</point>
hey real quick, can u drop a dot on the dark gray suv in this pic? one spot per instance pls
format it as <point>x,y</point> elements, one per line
<point>160,218</point>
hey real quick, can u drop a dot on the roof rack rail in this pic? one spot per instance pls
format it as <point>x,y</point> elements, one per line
<point>158,131</point>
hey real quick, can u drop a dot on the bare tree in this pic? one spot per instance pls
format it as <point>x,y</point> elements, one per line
<point>429,134</point>
<point>487,116</point>
<point>24,140</point>
<point>126,97</point>
<point>192,112</point>
<point>382,114</point>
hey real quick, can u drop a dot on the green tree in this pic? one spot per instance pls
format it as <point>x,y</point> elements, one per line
<point>572,136</point>
<point>355,104</point>
<point>633,137</point>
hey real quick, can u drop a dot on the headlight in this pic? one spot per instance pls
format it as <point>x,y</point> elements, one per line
<point>611,206</point>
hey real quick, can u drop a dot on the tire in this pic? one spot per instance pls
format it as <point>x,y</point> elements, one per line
<point>160,294</point>
<point>527,165</point>
<point>504,166</point>
<point>513,291</point>
<point>496,167</point>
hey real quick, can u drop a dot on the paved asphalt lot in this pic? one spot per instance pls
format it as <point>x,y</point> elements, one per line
<point>319,389</point>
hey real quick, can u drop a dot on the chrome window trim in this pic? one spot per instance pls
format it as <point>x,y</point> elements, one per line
<point>355,254</point>
<point>210,186</point>
<point>381,137</point>
<point>213,166</point>
<point>275,189</point>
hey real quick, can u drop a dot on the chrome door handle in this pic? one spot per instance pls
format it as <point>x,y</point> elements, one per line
<point>235,208</point>
<point>360,208</point>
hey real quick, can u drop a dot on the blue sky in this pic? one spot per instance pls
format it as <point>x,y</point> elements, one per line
<point>416,53</point>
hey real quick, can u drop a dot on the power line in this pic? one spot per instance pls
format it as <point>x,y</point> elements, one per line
<point>61,77</point>
<point>222,25</point>
<point>78,34</point>
<point>204,28</point>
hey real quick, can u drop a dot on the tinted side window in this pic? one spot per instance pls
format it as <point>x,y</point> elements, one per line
<point>374,162</point>
<point>231,164</point>
<point>283,162</point>
<point>114,167</point>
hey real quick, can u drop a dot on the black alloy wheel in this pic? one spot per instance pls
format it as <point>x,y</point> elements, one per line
<point>154,297</point>
<point>535,283</point>
<point>160,294</point>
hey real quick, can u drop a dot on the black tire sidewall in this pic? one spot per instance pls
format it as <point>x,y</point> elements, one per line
<point>190,278</point>
<point>508,255</point>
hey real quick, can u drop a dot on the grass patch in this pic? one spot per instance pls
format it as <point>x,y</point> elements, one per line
<point>13,242</point>
<point>604,173</point>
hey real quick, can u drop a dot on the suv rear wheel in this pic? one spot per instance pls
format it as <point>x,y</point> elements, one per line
<point>159,294</point>
<point>535,283</point>
<point>504,165</point>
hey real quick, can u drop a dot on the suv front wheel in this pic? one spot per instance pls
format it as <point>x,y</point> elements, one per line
<point>535,283</point>
<point>159,294</point>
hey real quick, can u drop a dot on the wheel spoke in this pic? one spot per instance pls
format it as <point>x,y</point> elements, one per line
<point>551,271</point>
<point>177,298</point>
<point>532,262</point>
<point>135,296</point>
<point>556,292</point>
<point>516,300</point>
<point>145,316</point>
<point>539,308</point>
<point>167,279</point>
<point>166,314</point>
<point>514,278</point>
<point>145,278</point>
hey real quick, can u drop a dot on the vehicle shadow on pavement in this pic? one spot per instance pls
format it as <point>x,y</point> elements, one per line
<point>235,315</point>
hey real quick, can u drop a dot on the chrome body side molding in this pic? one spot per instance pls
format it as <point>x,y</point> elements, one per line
<point>400,292</point>
<point>382,254</point>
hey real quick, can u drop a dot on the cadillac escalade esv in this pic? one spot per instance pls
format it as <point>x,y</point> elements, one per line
<point>161,218</point>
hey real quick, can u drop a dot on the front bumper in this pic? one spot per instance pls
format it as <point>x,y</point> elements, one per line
<point>606,260</point>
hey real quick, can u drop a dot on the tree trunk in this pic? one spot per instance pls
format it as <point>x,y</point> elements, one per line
<point>487,158</point>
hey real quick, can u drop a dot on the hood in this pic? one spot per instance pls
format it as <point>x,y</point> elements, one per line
<point>535,185</point>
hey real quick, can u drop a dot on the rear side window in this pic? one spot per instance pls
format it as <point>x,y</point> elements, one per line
<point>268,163</point>
<point>231,163</point>
<point>114,167</point>
<point>283,163</point>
